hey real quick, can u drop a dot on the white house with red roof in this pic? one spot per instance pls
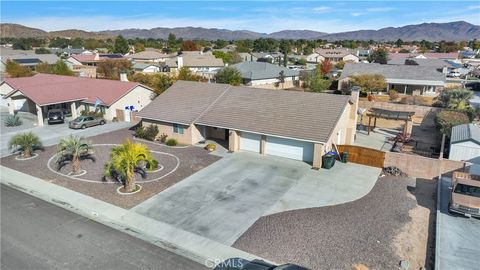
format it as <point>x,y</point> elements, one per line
<point>40,93</point>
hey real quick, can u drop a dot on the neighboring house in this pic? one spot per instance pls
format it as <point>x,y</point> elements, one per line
<point>67,52</point>
<point>406,79</point>
<point>149,56</point>
<point>266,75</point>
<point>266,57</point>
<point>44,92</point>
<point>446,56</point>
<point>332,55</point>
<point>91,59</point>
<point>465,143</point>
<point>297,125</point>
<point>206,65</point>
<point>28,60</point>
<point>444,66</point>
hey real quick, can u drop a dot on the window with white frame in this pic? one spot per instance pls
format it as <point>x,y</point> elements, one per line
<point>178,129</point>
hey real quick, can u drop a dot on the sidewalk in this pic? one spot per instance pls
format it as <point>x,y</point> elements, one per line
<point>192,246</point>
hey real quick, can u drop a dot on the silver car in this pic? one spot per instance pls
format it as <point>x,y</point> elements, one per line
<point>86,121</point>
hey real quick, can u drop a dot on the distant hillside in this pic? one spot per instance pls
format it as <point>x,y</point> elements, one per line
<point>17,30</point>
<point>428,31</point>
<point>186,33</point>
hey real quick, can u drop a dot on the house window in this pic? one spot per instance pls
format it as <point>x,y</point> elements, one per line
<point>177,129</point>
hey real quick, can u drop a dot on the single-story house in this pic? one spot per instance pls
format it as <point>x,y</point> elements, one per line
<point>266,75</point>
<point>297,125</point>
<point>465,143</point>
<point>446,56</point>
<point>28,60</point>
<point>91,59</point>
<point>444,66</point>
<point>40,93</point>
<point>149,56</point>
<point>406,79</point>
<point>332,55</point>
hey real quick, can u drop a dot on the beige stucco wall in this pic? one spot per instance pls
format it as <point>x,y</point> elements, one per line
<point>138,97</point>
<point>344,131</point>
<point>350,57</point>
<point>191,134</point>
<point>233,140</point>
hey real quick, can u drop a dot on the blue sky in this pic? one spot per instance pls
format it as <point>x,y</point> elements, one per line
<point>260,16</point>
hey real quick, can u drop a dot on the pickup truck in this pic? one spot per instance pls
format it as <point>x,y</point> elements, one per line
<point>465,199</point>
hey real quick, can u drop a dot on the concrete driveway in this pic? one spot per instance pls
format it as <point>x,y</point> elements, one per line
<point>223,200</point>
<point>50,134</point>
<point>457,237</point>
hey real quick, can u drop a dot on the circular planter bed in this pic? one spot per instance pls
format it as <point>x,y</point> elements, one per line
<point>80,173</point>
<point>121,190</point>
<point>21,158</point>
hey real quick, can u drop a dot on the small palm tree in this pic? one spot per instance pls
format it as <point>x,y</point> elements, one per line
<point>26,143</point>
<point>126,160</point>
<point>74,149</point>
<point>458,98</point>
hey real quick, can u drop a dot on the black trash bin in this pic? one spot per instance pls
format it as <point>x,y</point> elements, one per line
<point>344,157</point>
<point>328,161</point>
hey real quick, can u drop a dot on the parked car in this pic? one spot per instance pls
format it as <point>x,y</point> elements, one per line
<point>465,197</point>
<point>86,121</point>
<point>454,74</point>
<point>55,116</point>
<point>243,264</point>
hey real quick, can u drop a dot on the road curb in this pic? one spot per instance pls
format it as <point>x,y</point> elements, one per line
<point>192,246</point>
<point>437,223</point>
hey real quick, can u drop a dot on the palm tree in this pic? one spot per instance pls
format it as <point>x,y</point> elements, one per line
<point>74,149</point>
<point>26,143</point>
<point>127,159</point>
<point>458,98</point>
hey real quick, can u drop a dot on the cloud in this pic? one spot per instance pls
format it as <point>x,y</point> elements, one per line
<point>356,14</point>
<point>473,7</point>
<point>380,9</point>
<point>321,9</point>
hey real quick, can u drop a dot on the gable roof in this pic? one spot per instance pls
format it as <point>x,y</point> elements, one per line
<point>298,115</point>
<point>393,56</point>
<point>262,70</point>
<point>330,53</point>
<point>429,62</point>
<point>150,54</point>
<point>402,72</point>
<point>44,89</point>
<point>203,60</point>
<point>465,132</point>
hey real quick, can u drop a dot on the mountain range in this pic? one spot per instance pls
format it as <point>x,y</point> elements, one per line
<point>452,31</point>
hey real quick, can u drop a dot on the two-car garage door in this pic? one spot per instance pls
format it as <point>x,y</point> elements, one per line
<point>276,146</point>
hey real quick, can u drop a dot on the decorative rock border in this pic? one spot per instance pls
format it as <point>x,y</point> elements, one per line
<point>76,177</point>
<point>20,158</point>
<point>82,172</point>
<point>139,188</point>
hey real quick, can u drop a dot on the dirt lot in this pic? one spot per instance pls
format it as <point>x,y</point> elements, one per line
<point>191,160</point>
<point>371,232</point>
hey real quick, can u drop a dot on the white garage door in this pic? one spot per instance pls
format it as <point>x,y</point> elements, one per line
<point>289,148</point>
<point>250,142</point>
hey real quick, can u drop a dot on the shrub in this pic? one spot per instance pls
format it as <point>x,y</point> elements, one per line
<point>91,113</point>
<point>115,119</point>
<point>13,121</point>
<point>393,94</point>
<point>211,147</point>
<point>171,142</point>
<point>163,138</point>
<point>446,119</point>
<point>147,133</point>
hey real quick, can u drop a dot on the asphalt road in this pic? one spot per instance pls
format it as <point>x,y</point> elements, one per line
<point>38,235</point>
<point>458,236</point>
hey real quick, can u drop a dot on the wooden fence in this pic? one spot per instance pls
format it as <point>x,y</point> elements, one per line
<point>363,155</point>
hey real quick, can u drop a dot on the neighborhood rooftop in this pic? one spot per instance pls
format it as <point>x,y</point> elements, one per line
<point>262,70</point>
<point>299,115</point>
<point>402,72</point>
<point>465,132</point>
<point>46,89</point>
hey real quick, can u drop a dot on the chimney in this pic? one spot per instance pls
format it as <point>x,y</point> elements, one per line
<point>180,62</point>
<point>123,77</point>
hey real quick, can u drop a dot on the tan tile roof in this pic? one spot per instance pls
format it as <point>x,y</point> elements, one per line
<point>204,60</point>
<point>297,115</point>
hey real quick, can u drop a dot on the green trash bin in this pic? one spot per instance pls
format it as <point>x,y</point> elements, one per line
<point>344,157</point>
<point>328,161</point>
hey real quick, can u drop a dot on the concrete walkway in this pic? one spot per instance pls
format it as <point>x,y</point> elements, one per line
<point>223,200</point>
<point>192,246</point>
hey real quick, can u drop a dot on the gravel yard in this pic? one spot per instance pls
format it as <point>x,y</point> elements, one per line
<point>190,160</point>
<point>363,232</point>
